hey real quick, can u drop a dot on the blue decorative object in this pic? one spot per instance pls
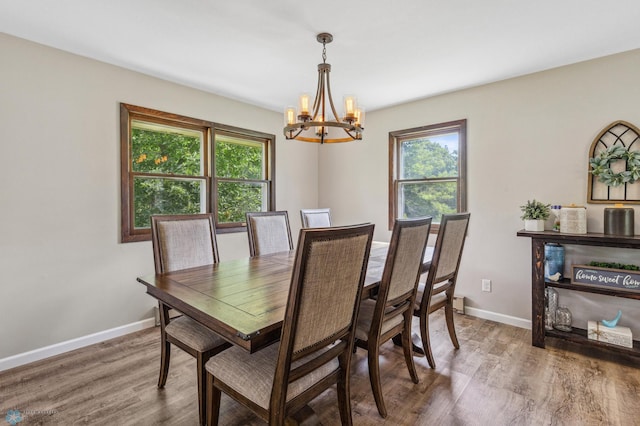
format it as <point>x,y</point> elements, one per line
<point>13,417</point>
<point>553,262</point>
<point>612,323</point>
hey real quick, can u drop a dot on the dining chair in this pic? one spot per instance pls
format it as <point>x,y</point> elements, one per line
<point>391,313</point>
<point>315,218</point>
<point>181,242</point>
<point>268,232</point>
<point>438,290</point>
<point>316,341</point>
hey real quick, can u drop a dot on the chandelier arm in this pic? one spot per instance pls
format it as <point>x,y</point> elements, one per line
<point>298,128</point>
<point>333,108</point>
<point>292,136</point>
<point>355,136</point>
<point>319,92</point>
<point>323,102</point>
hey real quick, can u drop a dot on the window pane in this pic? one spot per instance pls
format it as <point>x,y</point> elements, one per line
<point>166,196</point>
<point>427,199</point>
<point>239,159</point>
<point>163,149</point>
<point>429,157</point>
<point>237,198</point>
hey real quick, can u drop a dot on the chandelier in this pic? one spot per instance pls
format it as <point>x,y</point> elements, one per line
<point>312,123</point>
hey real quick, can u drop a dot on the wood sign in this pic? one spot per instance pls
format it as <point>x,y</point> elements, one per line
<point>606,278</point>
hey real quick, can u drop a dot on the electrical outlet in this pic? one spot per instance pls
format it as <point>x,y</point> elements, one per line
<point>486,285</point>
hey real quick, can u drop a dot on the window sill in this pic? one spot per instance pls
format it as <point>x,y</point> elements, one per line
<point>232,230</point>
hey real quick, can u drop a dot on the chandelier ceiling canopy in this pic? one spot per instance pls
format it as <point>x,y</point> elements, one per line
<point>319,122</point>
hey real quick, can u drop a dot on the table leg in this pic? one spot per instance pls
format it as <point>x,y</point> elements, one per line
<point>303,417</point>
<point>416,344</point>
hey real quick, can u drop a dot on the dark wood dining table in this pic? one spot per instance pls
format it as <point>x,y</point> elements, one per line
<point>244,300</point>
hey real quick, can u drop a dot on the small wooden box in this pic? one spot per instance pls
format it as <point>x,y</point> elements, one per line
<point>619,279</point>
<point>620,336</point>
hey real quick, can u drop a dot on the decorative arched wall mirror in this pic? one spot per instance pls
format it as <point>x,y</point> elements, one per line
<point>614,165</point>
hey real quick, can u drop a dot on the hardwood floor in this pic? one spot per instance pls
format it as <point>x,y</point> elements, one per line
<point>495,378</point>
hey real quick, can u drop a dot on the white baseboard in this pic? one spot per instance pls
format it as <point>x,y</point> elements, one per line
<point>80,342</point>
<point>501,318</point>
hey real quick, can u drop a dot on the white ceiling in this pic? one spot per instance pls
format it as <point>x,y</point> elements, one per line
<point>265,52</point>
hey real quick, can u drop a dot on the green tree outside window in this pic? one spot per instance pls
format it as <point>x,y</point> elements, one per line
<point>163,159</point>
<point>240,177</point>
<point>423,161</point>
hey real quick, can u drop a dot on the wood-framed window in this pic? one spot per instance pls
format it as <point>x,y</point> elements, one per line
<point>168,166</point>
<point>243,175</point>
<point>427,171</point>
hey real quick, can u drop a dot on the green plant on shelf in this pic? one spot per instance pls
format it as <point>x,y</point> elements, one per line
<point>613,265</point>
<point>534,210</point>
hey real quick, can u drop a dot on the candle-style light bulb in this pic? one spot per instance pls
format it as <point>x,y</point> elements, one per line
<point>304,105</point>
<point>350,106</point>
<point>359,115</point>
<point>320,130</point>
<point>289,116</point>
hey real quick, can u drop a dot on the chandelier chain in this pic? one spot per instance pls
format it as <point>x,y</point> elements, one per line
<point>324,52</point>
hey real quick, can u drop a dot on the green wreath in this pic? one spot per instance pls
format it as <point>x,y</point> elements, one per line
<point>600,166</point>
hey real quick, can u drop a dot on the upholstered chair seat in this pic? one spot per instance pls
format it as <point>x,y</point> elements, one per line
<point>252,374</point>
<point>193,334</point>
<point>365,319</point>
<point>437,297</point>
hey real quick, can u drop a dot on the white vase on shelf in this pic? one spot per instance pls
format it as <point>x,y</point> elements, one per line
<point>534,225</point>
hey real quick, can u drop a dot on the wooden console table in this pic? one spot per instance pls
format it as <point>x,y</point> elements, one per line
<point>538,284</point>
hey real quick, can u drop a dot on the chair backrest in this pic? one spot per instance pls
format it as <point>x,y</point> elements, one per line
<point>268,232</point>
<point>315,218</point>
<point>447,251</point>
<point>449,244</point>
<point>402,269</point>
<point>405,257</point>
<point>183,241</point>
<point>324,298</point>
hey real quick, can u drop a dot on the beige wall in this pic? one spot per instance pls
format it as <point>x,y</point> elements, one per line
<point>528,138</point>
<point>63,272</point>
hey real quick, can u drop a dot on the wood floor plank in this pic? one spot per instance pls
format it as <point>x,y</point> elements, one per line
<point>496,378</point>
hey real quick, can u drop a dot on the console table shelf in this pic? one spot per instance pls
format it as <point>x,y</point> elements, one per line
<point>538,284</point>
<point>565,283</point>
<point>579,335</point>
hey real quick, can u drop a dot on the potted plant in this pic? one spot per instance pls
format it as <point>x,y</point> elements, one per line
<point>534,213</point>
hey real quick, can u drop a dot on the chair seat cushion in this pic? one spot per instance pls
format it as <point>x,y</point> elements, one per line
<point>193,334</point>
<point>365,317</point>
<point>435,298</point>
<point>252,374</point>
